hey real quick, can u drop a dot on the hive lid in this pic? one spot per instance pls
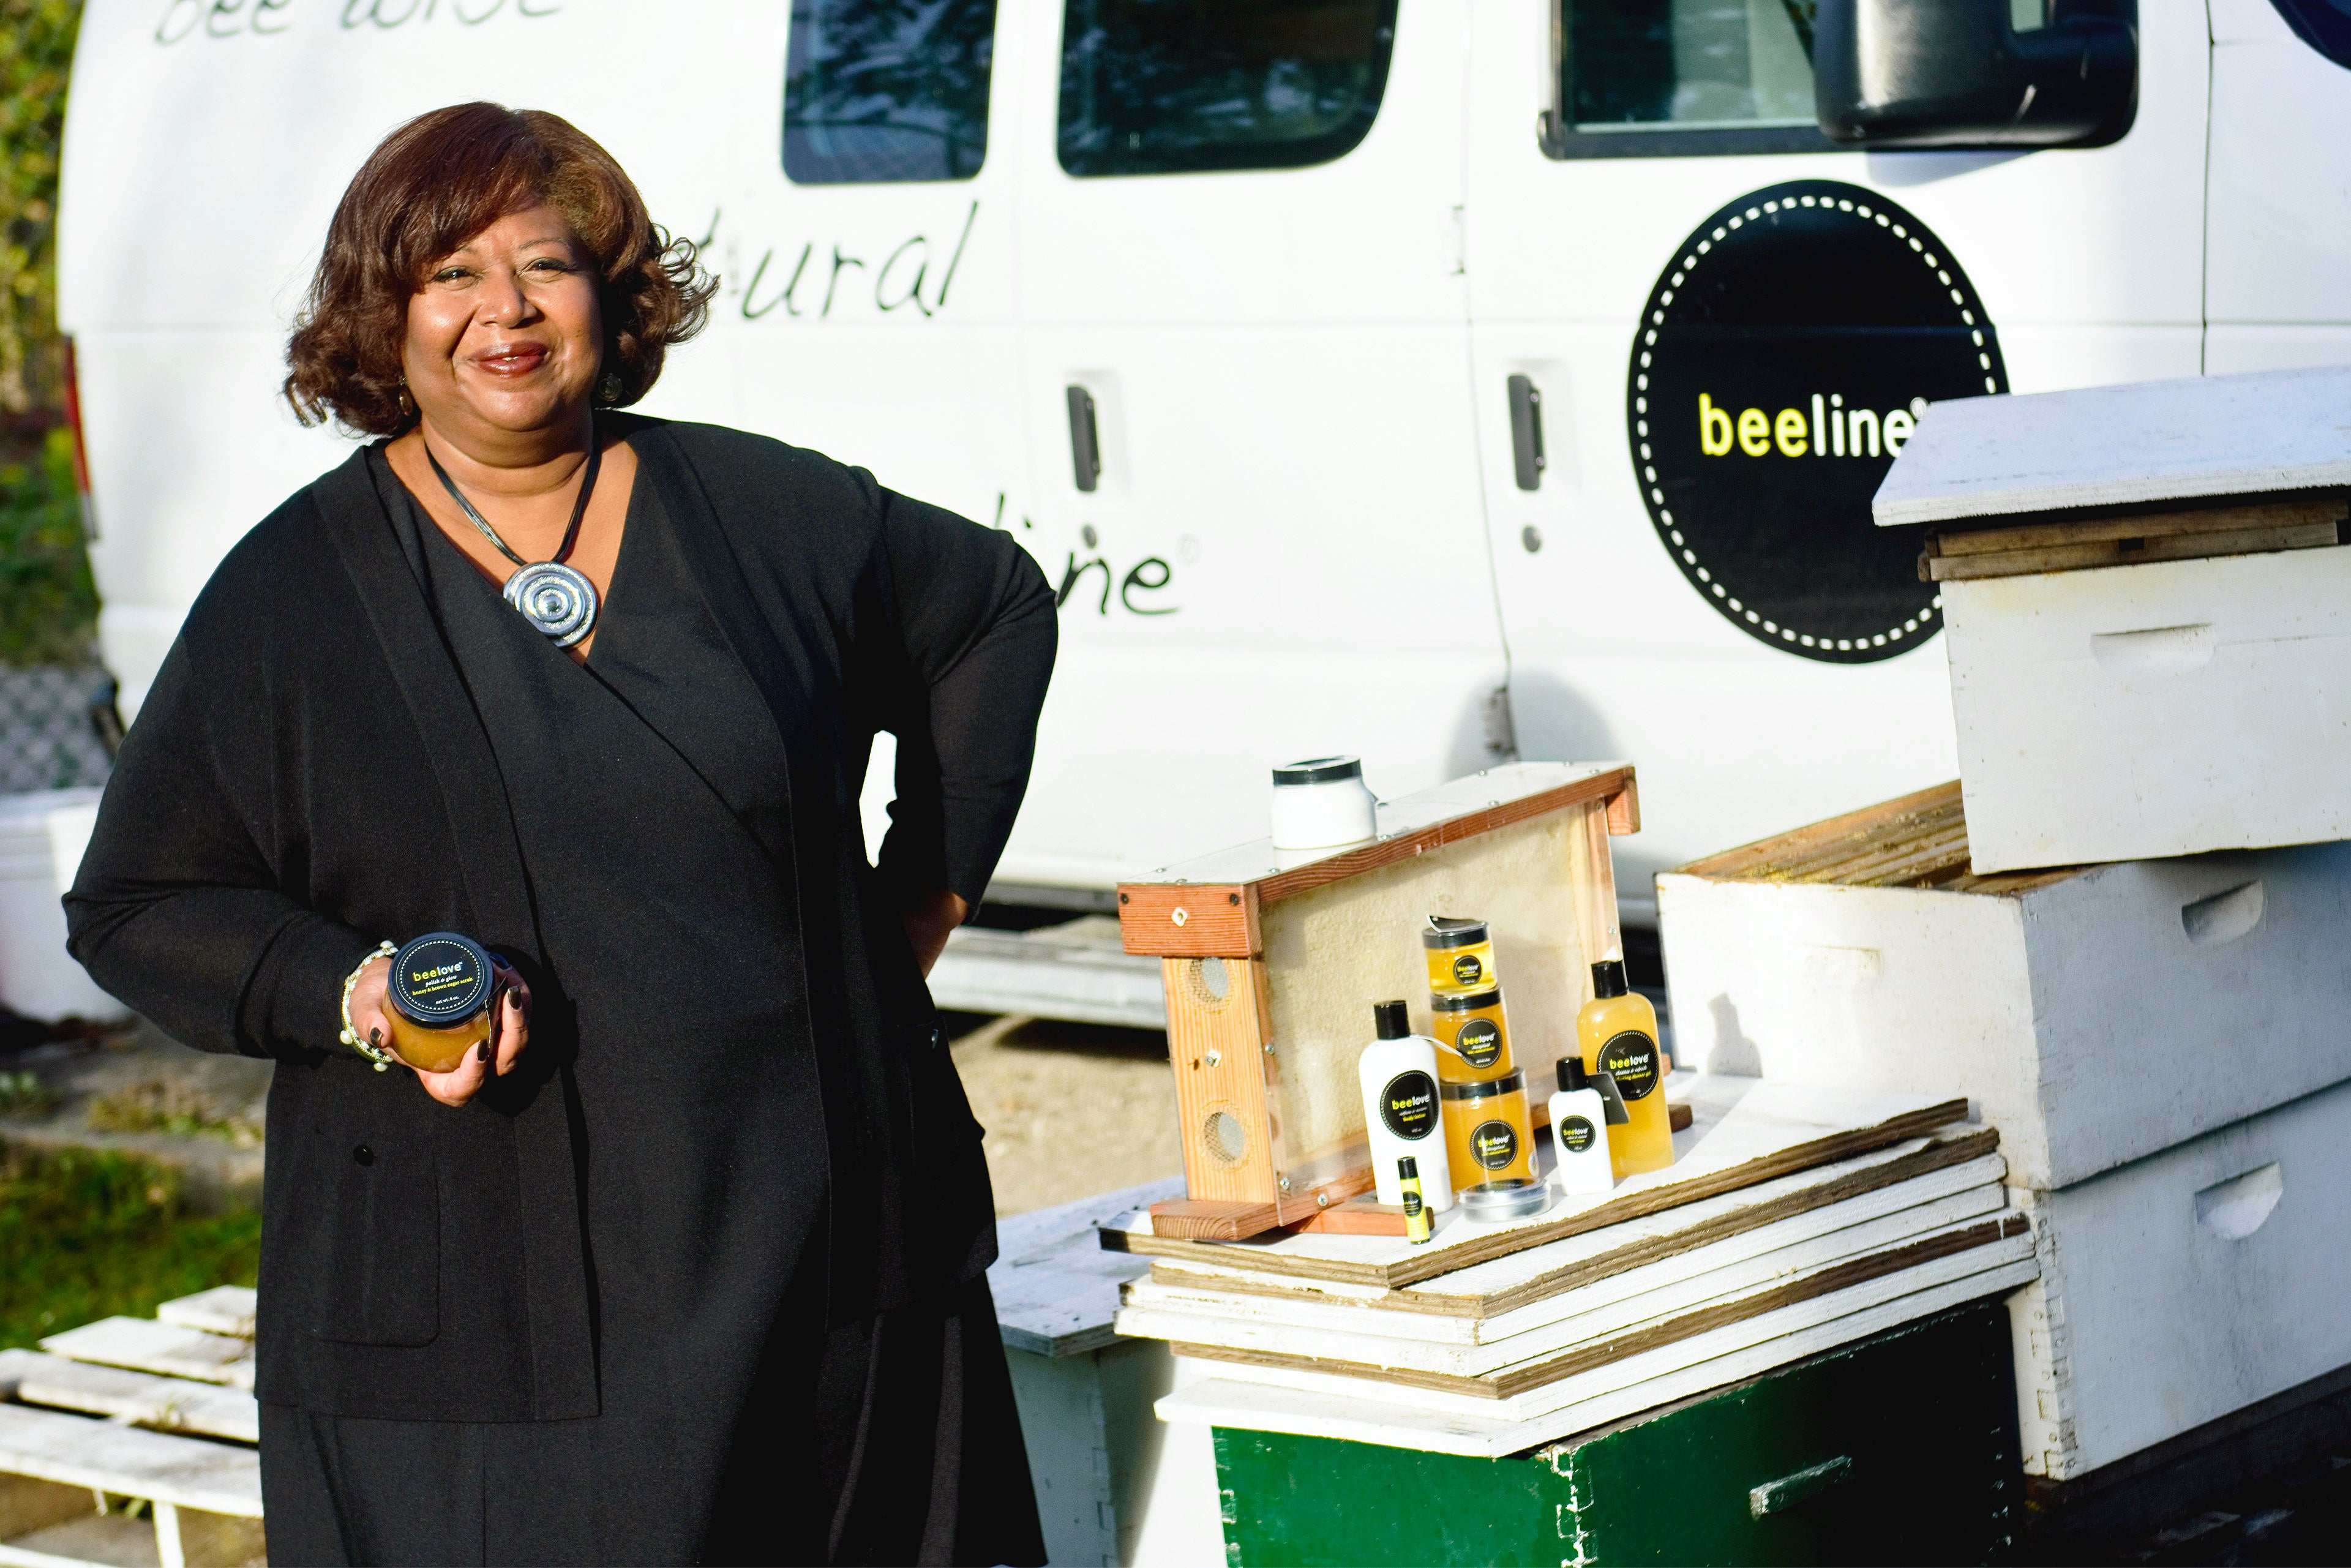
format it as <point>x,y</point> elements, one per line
<point>2203,439</point>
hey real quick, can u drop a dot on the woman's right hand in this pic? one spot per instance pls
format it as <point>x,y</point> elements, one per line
<point>509,1031</point>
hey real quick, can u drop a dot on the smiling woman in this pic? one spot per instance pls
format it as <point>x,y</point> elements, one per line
<point>586,698</point>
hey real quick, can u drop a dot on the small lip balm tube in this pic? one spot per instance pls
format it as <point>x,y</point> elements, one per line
<point>440,1000</point>
<point>1417,1227</point>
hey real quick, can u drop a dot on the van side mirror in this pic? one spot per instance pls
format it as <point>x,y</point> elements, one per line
<point>1957,73</point>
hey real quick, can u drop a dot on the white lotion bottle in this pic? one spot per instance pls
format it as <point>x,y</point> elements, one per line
<point>1398,1074</point>
<point>1578,1133</point>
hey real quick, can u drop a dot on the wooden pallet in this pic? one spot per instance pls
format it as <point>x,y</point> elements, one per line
<point>2105,539</point>
<point>155,1412</point>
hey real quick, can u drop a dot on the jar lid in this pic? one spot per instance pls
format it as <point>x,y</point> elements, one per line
<point>1467,1002</point>
<point>1514,1198</point>
<point>440,979</point>
<point>1444,931</point>
<point>1512,1083</point>
<point>1319,770</point>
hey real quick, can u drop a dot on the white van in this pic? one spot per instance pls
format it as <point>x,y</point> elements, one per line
<point>1435,380</point>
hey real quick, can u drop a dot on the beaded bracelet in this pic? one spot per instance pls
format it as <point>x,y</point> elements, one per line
<point>351,1036</point>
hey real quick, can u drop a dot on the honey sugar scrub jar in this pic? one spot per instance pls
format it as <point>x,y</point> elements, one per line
<point>439,999</point>
<point>1473,1038</point>
<point>1460,955</point>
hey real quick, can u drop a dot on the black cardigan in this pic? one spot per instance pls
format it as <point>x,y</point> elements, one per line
<point>308,775</point>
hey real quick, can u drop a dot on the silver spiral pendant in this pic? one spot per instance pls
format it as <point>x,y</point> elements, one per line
<point>555,599</point>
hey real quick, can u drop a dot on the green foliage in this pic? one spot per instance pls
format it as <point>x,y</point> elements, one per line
<point>37,42</point>
<point>86,1234</point>
<point>23,1094</point>
<point>49,605</point>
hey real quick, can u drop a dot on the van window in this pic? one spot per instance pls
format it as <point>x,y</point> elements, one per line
<point>1648,77</point>
<point>1158,87</point>
<point>885,90</point>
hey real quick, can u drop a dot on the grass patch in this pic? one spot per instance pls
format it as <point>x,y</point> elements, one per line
<point>85,1234</point>
<point>23,1094</point>
<point>160,1105</point>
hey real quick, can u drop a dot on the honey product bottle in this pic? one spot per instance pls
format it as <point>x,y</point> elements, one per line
<point>1616,1033</point>
<point>1473,1038</point>
<point>1416,1225</point>
<point>1397,1072</point>
<point>1460,955</point>
<point>1579,1130</point>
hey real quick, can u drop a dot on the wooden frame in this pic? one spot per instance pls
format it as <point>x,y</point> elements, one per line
<point>1263,953</point>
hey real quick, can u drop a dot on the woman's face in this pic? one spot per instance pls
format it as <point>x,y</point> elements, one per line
<point>506,332</point>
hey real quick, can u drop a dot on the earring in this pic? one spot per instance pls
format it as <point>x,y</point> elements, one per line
<point>608,388</point>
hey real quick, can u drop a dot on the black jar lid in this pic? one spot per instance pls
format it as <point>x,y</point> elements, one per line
<point>440,979</point>
<point>1471,1002</point>
<point>1512,1083</point>
<point>1444,931</point>
<point>1319,770</point>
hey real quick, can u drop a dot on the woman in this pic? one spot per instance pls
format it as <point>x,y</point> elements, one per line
<point>687,1262</point>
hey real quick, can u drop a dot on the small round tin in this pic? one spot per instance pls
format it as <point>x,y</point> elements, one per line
<point>1514,1198</point>
<point>439,998</point>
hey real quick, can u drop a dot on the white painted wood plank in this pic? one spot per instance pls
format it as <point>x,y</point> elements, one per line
<point>216,1478</point>
<point>1221,1399</point>
<point>1761,1121</point>
<point>173,1404</point>
<point>1664,1359</point>
<point>1370,1337</point>
<point>2162,709</point>
<point>223,1309</point>
<point>146,1345</point>
<point>2078,1015</point>
<point>1056,1289</point>
<point>2192,439</point>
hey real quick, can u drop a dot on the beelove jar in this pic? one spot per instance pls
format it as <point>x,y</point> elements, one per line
<point>440,1000</point>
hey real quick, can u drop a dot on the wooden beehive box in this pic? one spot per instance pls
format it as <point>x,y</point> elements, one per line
<point>2146,605</point>
<point>1273,964</point>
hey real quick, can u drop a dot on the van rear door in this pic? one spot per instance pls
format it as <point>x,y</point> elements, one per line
<point>1729,324</point>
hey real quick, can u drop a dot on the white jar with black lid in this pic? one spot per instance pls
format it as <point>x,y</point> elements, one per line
<point>1322,803</point>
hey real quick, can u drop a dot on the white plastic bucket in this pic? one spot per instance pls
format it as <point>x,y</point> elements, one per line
<point>37,977</point>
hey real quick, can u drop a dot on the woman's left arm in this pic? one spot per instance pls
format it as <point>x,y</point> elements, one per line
<point>978,627</point>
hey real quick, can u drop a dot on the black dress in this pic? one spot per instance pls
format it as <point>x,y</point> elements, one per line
<point>734,1426</point>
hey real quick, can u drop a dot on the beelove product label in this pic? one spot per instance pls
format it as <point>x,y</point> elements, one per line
<point>1494,1145</point>
<point>1468,970</point>
<point>1408,1105</point>
<point>1577,1133</point>
<point>1480,1043</point>
<point>1630,1057</point>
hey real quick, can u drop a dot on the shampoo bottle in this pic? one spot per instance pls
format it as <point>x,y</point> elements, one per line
<point>1616,1033</point>
<point>1398,1074</point>
<point>1579,1129</point>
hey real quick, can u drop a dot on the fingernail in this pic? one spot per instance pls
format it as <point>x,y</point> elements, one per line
<point>375,1036</point>
<point>483,1055</point>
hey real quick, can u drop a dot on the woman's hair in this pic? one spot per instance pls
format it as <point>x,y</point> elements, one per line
<point>428,188</point>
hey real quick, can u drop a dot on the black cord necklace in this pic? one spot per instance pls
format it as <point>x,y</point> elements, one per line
<point>556,599</point>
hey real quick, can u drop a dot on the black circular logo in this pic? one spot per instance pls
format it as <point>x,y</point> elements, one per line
<point>1577,1133</point>
<point>1408,1104</point>
<point>1631,1059</point>
<point>1494,1145</point>
<point>1480,1043</point>
<point>1468,970</point>
<point>1782,359</point>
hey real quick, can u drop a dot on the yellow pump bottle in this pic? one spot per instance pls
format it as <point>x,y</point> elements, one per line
<point>1616,1033</point>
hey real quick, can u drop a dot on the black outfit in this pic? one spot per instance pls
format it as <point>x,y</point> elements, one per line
<point>705,1278</point>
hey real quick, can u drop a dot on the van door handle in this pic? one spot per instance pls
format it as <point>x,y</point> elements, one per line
<point>1526,432</point>
<point>1085,440</point>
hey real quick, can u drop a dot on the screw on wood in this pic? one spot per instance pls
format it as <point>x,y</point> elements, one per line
<point>1180,914</point>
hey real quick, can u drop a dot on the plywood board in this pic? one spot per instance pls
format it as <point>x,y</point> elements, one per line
<point>222,1310</point>
<point>2204,436</point>
<point>1338,1409</point>
<point>141,1398</point>
<point>187,1472</point>
<point>1056,1291</point>
<point>1601,1375</point>
<point>1508,1294</point>
<point>1745,1132</point>
<point>1612,1310</point>
<point>146,1345</point>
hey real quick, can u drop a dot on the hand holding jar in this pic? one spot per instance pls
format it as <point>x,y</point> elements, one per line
<point>452,1057</point>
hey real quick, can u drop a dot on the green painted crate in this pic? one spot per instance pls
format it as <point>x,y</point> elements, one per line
<point>1901,1448</point>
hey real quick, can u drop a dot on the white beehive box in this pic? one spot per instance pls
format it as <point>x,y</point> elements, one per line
<point>2094,1015</point>
<point>2184,1287</point>
<point>2146,600</point>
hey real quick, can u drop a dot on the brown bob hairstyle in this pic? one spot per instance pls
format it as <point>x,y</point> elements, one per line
<point>428,188</point>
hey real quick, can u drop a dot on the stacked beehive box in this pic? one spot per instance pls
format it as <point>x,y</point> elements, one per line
<point>2117,935</point>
